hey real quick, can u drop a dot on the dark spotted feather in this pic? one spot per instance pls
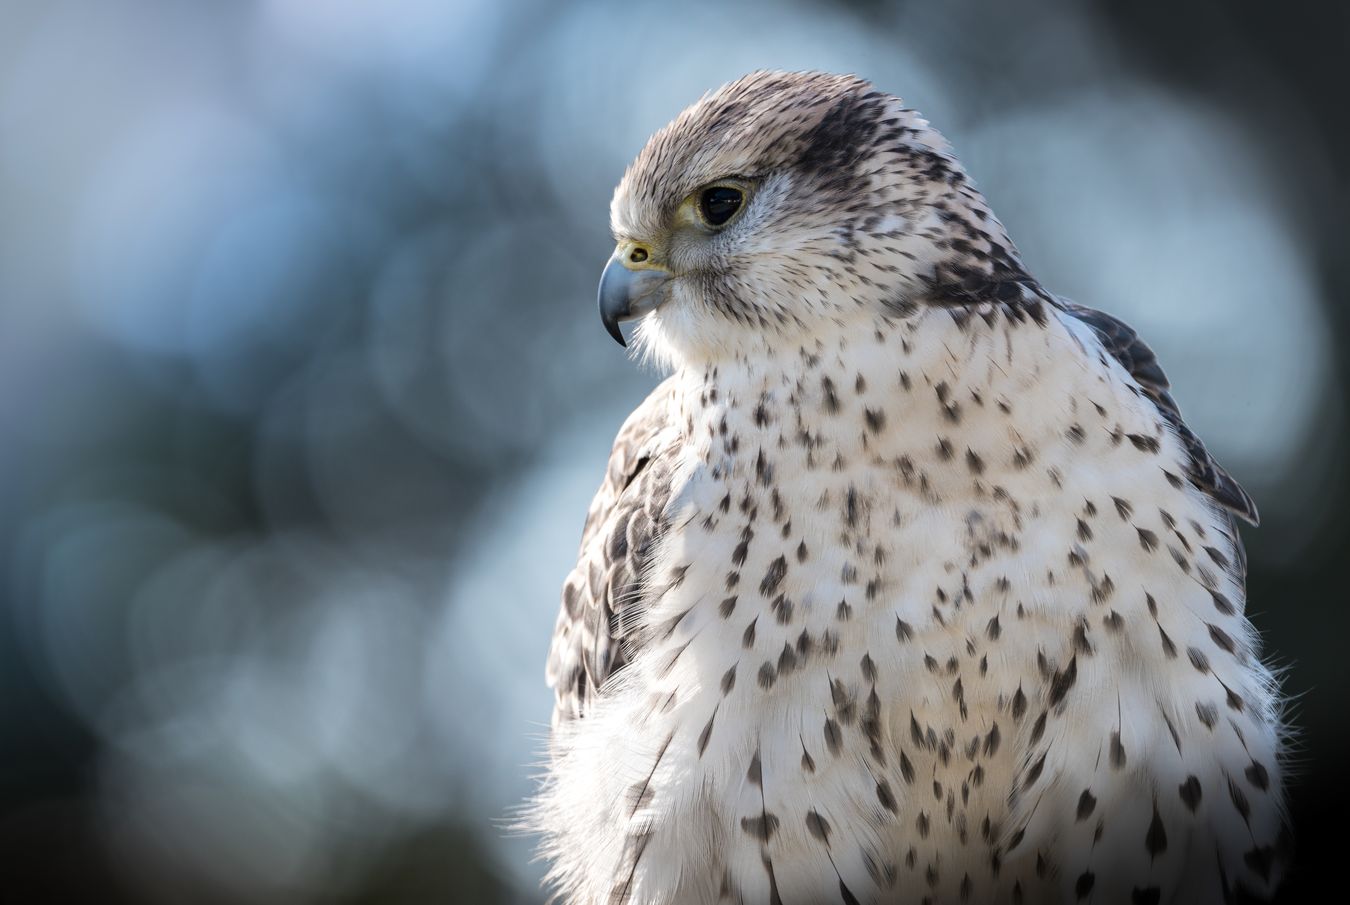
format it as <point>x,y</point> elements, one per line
<point>1137,358</point>
<point>626,518</point>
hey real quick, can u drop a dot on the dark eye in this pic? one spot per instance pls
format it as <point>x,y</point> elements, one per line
<point>719,204</point>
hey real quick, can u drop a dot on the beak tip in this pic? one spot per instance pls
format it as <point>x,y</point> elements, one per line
<point>627,294</point>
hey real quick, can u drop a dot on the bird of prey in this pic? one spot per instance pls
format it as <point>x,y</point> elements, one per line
<point>910,583</point>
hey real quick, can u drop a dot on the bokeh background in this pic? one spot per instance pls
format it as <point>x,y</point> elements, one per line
<point>303,394</point>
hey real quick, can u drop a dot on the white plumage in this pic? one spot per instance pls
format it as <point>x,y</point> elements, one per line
<point>909,584</point>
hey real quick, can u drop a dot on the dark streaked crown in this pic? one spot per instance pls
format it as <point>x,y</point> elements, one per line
<point>763,122</point>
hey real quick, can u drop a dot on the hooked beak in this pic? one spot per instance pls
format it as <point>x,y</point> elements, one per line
<point>630,287</point>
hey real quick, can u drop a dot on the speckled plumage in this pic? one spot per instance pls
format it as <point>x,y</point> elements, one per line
<point>909,584</point>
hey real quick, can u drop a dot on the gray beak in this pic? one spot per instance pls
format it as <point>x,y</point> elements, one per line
<point>627,293</point>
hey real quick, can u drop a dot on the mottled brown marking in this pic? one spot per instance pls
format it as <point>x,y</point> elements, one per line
<point>762,827</point>
<point>1155,840</point>
<point>773,577</point>
<point>817,825</point>
<point>834,738</point>
<point>1117,752</point>
<point>1087,802</point>
<point>1190,792</point>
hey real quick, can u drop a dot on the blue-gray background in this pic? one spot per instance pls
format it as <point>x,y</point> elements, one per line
<point>303,395</point>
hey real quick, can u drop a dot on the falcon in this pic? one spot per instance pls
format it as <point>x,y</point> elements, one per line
<point>909,583</point>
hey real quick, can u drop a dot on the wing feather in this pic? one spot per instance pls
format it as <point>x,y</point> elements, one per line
<point>1022,295</point>
<point>1138,359</point>
<point>625,520</point>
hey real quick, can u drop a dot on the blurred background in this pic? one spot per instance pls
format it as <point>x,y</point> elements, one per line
<point>303,394</point>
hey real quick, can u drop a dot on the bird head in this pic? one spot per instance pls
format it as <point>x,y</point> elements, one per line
<point>782,202</point>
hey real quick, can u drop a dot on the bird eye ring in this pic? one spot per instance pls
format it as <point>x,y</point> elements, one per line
<point>717,204</point>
